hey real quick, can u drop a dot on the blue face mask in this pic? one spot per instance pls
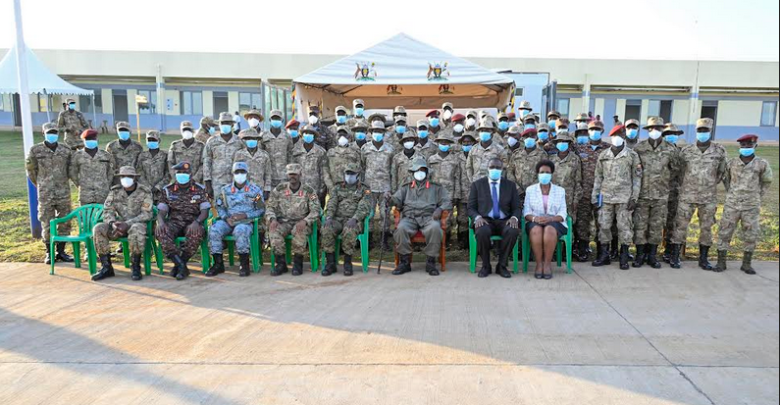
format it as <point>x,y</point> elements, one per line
<point>72,106</point>
<point>545,178</point>
<point>308,138</point>
<point>251,143</point>
<point>529,143</point>
<point>360,136</point>
<point>182,178</point>
<point>703,136</point>
<point>52,138</point>
<point>632,133</point>
<point>359,111</point>
<point>378,136</point>
<point>582,140</point>
<point>212,130</point>
<point>341,119</point>
<point>91,144</point>
<point>153,145</point>
<point>226,129</point>
<point>435,122</point>
<point>485,136</point>
<point>494,174</point>
<point>467,148</point>
<point>544,136</point>
<point>562,146</point>
<point>503,125</point>
<point>444,148</point>
<point>529,126</point>
<point>595,136</point>
<point>747,151</point>
<point>422,134</point>
<point>672,138</point>
<point>293,133</point>
<point>276,123</point>
<point>551,124</point>
<point>400,129</point>
<point>123,135</point>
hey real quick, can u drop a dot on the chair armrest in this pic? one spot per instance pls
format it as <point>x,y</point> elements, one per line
<point>396,216</point>
<point>444,216</point>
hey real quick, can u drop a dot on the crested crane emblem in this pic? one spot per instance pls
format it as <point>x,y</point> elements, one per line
<point>438,71</point>
<point>365,71</point>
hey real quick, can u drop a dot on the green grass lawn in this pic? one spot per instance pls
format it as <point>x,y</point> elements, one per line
<point>16,244</point>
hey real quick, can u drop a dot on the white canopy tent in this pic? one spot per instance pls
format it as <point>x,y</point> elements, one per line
<point>402,71</point>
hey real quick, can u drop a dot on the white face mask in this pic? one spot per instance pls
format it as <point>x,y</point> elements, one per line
<point>617,141</point>
<point>254,122</point>
<point>419,175</point>
<point>343,141</point>
<point>471,122</point>
<point>447,114</point>
<point>458,128</point>
<point>239,178</point>
<point>408,145</point>
<point>186,134</point>
<point>655,134</point>
<point>127,182</point>
<point>313,119</point>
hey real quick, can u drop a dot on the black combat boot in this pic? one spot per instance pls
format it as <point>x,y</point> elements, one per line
<point>747,263</point>
<point>297,269</point>
<point>674,260</point>
<point>614,249</point>
<point>604,257</point>
<point>281,266</point>
<point>624,259</point>
<point>347,265</point>
<point>106,271</point>
<point>652,256</point>
<point>704,263</point>
<point>430,266</point>
<point>404,265</point>
<point>330,265</point>
<point>640,256</point>
<point>181,264</point>
<point>218,267</point>
<point>244,269</point>
<point>463,240</point>
<point>584,255</point>
<point>47,259</point>
<point>721,266</point>
<point>668,252</point>
<point>135,268</point>
<point>386,245</point>
<point>61,255</point>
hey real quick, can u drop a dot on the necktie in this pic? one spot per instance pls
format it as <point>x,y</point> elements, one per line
<point>496,214</point>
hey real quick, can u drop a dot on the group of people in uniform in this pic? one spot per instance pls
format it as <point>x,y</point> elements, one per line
<point>637,192</point>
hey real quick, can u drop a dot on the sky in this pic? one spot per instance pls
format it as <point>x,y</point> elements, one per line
<point>599,29</point>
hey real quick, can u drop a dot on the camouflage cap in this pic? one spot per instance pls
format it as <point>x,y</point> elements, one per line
<point>352,167</point>
<point>89,133</point>
<point>529,118</point>
<point>225,117</point>
<point>409,135</point>
<point>671,129</point>
<point>127,171</point>
<point>582,117</point>
<point>377,117</point>
<point>314,109</point>
<point>309,129</point>
<point>561,123</point>
<point>254,113</point>
<point>446,106</point>
<point>182,167</point>
<point>486,123</point>
<point>401,118</point>
<point>399,110</point>
<point>378,125</point>
<point>50,127</point>
<point>525,105</point>
<point>70,100</point>
<point>294,168</point>
<point>188,125</point>
<point>153,134</point>
<point>248,133</point>
<point>205,121</point>
<point>240,166</point>
<point>503,115</point>
<point>632,122</point>
<point>342,128</point>
<point>473,114</point>
<point>276,113</point>
<point>122,125</point>
<point>553,114</point>
<point>563,136</point>
<point>422,124</point>
<point>418,163</point>
<point>595,124</point>
<point>514,131</point>
<point>652,122</point>
<point>543,127</point>
<point>444,136</point>
<point>360,124</point>
<point>358,102</point>
<point>468,134</point>
<point>341,109</point>
<point>707,123</point>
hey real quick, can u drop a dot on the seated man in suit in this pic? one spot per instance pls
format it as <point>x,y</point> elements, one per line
<point>494,207</point>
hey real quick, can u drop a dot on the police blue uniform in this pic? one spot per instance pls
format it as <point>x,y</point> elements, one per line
<point>231,201</point>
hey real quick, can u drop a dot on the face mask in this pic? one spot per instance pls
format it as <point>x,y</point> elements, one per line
<point>654,134</point>
<point>52,138</point>
<point>293,133</point>
<point>595,135</point>
<point>378,137</point>
<point>512,141</point>
<point>529,143</point>
<point>359,111</point>
<point>72,106</point>
<point>524,113</point>
<point>485,136</point>
<point>341,119</point>
<point>182,178</point>
<point>503,125</point>
<point>562,146</point>
<point>551,124</point>
<point>703,137</point>
<point>188,134</point>
<point>254,122</point>
<point>545,178</point>
<point>313,119</point>
<point>672,138</point>
<point>251,143</point>
<point>239,178</point>
<point>419,175</point>
<point>124,135</point>
<point>212,131</point>
<point>544,136</point>
<point>447,114</point>
<point>494,174</point>
<point>444,148</point>
<point>127,182</point>
<point>408,145</point>
<point>360,136</point>
<point>351,178</point>
<point>747,151</point>
<point>617,141</point>
<point>400,129</point>
<point>91,144</point>
<point>471,122</point>
<point>529,126</point>
<point>633,133</point>
<point>153,145</point>
<point>422,134</point>
<point>434,122</point>
<point>458,128</point>
<point>226,129</point>
<point>308,138</point>
<point>582,140</point>
<point>467,148</point>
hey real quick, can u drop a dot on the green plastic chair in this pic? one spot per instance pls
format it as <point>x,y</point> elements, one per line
<point>363,239</point>
<point>86,218</point>
<point>149,250</point>
<point>254,248</point>
<point>473,248</point>
<point>313,249</point>
<point>205,255</point>
<point>565,239</point>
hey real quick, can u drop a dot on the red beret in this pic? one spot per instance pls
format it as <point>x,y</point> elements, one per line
<point>511,116</point>
<point>458,117</point>
<point>293,122</point>
<point>89,133</point>
<point>748,138</point>
<point>432,113</point>
<point>529,132</point>
<point>617,129</point>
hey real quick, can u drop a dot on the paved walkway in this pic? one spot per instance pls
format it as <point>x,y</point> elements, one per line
<point>599,336</point>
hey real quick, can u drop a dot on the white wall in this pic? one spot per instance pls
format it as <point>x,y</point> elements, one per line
<point>232,101</point>
<point>599,108</point>
<point>739,113</point>
<point>575,107</point>
<point>208,103</point>
<point>131,106</point>
<point>620,108</point>
<point>645,109</point>
<point>172,95</point>
<point>108,101</point>
<point>680,112</point>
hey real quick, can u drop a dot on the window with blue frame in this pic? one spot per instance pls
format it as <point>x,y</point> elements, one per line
<point>563,106</point>
<point>191,103</point>
<point>248,101</point>
<point>769,114</point>
<point>151,106</point>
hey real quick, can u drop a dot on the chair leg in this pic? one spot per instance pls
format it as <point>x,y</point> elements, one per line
<point>526,253</point>
<point>515,256</point>
<point>472,252</point>
<point>147,259</point>
<point>52,255</point>
<point>364,253</point>
<point>158,256</point>
<point>92,256</point>
<point>569,249</point>
<point>126,254</point>
<point>288,249</point>
<point>205,256</point>
<point>76,254</point>
<point>558,253</point>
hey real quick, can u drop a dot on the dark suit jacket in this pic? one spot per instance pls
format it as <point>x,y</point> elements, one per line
<point>481,201</point>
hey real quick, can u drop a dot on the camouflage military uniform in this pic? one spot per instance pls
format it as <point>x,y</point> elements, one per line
<point>153,170</point>
<point>659,164</point>
<point>324,136</point>
<point>134,209</point>
<point>417,203</point>
<point>568,174</point>
<point>618,179</point>
<point>184,204</point>
<point>288,208</point>
<point>479,158</point>
<point>203,135</point>
<point>346,202</point>
<point>193,154</point>
<point>260,168</point>
<point>394,138</point>
<point>701,173</point>
<point>746,184</point>
<point>280,148</point>
<point>399,169</point>
<point>462,199</point>
<point>585,211</point>
<point>72,124</point>
<point>378,166</point>
<point>674,198</point>
<point>446,172</point>
<point>427,150</point>
<point>92,175</point>
<point>522,168</point>
<point>124,155</point>
<point>48,170</point>
<point>232,200</point>
<point>338,159</point>
<point>218,160</point>
<point>315,168</point>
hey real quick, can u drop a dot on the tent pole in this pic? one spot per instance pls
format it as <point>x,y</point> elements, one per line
<point>48,106</point>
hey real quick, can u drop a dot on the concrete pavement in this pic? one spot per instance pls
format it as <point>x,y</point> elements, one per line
<point>599,336</point>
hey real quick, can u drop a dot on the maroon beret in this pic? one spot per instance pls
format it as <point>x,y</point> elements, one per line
<point>748,138</point>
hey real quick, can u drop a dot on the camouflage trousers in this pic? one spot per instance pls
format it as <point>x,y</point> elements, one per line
<point>649,221</point>
<point>671,217</point>
<point>50,210</point>
<point>380,206</point>
<point>408,227</point>
<point>706,214</point>
<point>348,235</point>
<point>749,221</point>
<point>585,215</point>
<point>136,238</point>
<point>463,217</point>
<point>607,216</point>
<point>178,229</point>
<point>299,241</point>
<point>241,232</point>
